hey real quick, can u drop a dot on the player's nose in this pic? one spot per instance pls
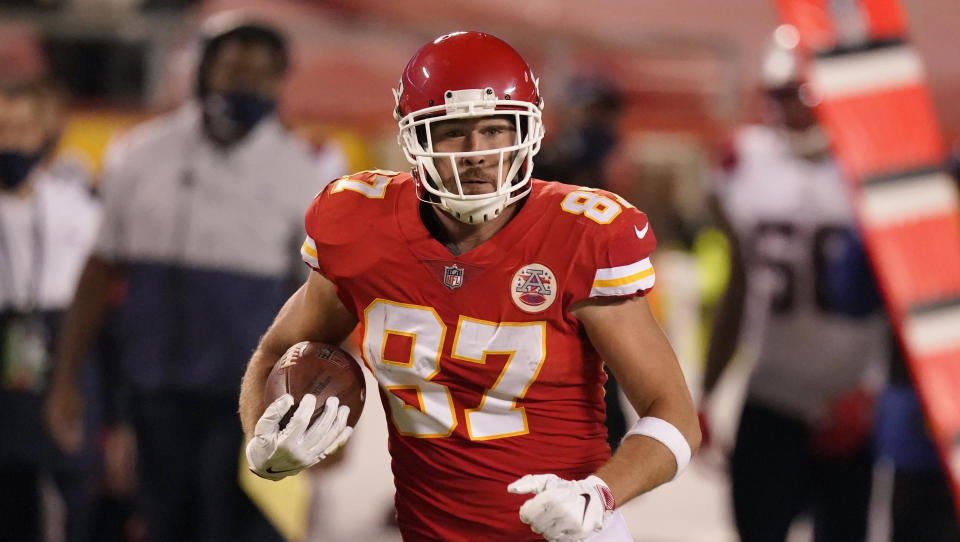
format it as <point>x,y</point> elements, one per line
<point>472,143</point>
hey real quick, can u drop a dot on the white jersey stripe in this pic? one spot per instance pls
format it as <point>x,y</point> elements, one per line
<point>625,280</point>
<point>623,271</point>
<point>624,289</point>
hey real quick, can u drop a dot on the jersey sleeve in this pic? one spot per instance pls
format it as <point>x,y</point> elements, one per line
<point>615,257</point>
<point>308,252</point>
<point>342,224</point>
<point>317,223</point>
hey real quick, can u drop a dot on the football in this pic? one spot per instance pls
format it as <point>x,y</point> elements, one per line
<point>321,369</point>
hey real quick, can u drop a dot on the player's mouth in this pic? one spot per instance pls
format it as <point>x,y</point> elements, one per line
<point>476,186</point>
<point>475,181</point>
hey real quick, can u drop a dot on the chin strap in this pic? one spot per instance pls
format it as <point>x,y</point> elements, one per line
<point>469,212</point>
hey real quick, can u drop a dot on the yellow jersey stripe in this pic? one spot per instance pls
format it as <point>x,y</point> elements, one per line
<point>624,280</point>
<point>623,270</point>
<point>625,289</point>
<point>309,250</point>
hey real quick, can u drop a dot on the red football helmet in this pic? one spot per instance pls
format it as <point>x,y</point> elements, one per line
<point>469,74</point>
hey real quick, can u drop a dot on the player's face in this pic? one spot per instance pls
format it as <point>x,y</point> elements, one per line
<point>244,66</point>
<point>478,173</point>
<point>795,114</point>
<point>21,123</point>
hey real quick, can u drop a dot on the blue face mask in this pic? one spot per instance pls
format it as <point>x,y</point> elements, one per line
<point>229,116</point>
<point>15,167</point>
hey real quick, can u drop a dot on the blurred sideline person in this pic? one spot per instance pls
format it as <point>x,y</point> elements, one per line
<point>201,207</point>
<point>579,151</point>
<point>488,302</point>
<point>803,443</point>
<point>48,223</point>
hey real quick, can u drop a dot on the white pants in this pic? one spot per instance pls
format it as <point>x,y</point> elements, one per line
<point>614,530</point>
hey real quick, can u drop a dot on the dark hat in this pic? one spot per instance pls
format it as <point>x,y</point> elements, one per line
<point>225,27</point>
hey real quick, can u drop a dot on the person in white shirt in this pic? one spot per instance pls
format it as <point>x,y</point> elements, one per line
<point>48,222</point>
<point>802,292</point>
<point>202,206</point>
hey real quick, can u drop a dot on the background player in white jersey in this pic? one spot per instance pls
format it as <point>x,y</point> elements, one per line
<point>803,440</point>
<point>487,301</point>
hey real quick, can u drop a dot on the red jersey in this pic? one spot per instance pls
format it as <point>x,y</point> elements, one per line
<point>484,374</point>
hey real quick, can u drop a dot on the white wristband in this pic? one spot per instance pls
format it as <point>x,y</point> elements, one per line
<point>668,435</point>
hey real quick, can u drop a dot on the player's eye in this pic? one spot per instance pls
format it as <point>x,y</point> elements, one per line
<point>497,130</point>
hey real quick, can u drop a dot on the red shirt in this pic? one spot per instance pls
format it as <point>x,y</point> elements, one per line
<point>484,373</point>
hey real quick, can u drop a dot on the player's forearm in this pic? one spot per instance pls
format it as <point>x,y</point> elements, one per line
<point>312,313</point>
<point>283,333</point>
<point>725,330</point>
<point>84,319</point>
<point>251,389</point>
<point>629,339</point>
<point>642,463</point>
<point>639,465</point>
<point>727,318</point>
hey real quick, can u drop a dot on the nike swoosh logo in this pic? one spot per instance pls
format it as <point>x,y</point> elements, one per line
<point>642,233</point>
<point>271,471</point>
<point>586,503</point>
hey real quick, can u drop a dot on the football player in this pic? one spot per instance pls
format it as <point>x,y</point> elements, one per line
<point>804,430</point>
<point>488,303</point>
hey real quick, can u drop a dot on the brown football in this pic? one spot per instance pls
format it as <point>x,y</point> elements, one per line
<point>321,369</point>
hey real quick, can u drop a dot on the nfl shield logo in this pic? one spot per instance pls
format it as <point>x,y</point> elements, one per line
<point>453,276</point>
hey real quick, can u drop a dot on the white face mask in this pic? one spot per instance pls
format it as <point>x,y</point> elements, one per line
<point>515,162</point>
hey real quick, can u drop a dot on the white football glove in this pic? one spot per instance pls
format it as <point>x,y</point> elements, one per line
<point>273,453</point>
<point>564,510</point>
